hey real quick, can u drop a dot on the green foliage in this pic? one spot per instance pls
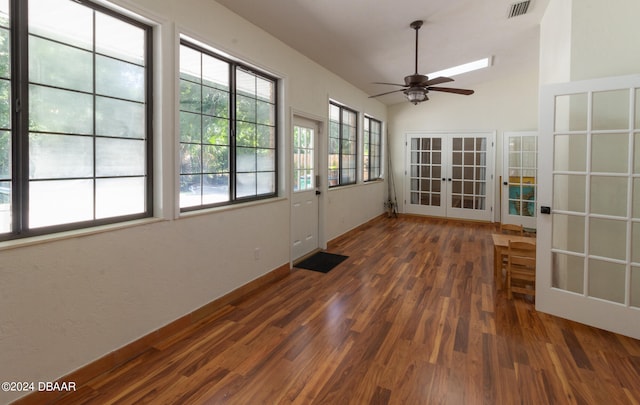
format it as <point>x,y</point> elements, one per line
<point>5,103</point>
<point>205,129</point>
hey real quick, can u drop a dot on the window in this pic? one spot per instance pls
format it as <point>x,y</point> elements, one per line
<point>343,142</point>
<point>303,158</point>
<point>76,80</point>
<point>227,131</point>
<point>372,148</point>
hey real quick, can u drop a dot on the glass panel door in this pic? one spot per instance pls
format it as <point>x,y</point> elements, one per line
<point>589,258</point>
<point>469,181</point>
<point>450,175</point>
<point>426,179</point>
<point>519,180</point>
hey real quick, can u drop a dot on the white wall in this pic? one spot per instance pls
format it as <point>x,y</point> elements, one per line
<point>555,40</point>
<point>604,38</point>
<point>587,39</point>
<point>509,104</point>
<point>65,302</point>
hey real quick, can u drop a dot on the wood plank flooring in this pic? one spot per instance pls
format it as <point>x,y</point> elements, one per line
<point>411,317</point>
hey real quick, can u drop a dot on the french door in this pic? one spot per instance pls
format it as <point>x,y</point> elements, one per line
<point>519,178</point>
<point>589,244</point>
<point>450,175</point>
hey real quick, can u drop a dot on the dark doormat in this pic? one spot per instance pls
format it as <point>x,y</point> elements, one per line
<point>321,261</point>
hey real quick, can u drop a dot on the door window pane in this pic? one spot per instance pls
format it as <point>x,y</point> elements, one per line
<point>635,286</point>
<point>606,150</point>
<point>303,158</point>
<point>636,198</point>
<point>609,195</point>
<point>607,280</point>
<point>571,112</point>
<point>570,153</point>
<point>635,242</point>
<point>636,165</point>
<point>569,192</point>
<point>611,110</point>
<point>568,233</point>
<point>568,272</point>
<point>637,97</point>
<point>608,238</point>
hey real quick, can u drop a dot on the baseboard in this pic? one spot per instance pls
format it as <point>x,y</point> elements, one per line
<point>119,356</point>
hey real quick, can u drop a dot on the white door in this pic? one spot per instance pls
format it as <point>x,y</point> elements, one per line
<point>304,202</point>
<point>519,178</point>
<point>589,177</point>
<point>426,183</point>
<point>450,175</point>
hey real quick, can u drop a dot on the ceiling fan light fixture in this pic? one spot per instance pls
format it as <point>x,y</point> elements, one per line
<point>416,86</point>
<point>416,95</point>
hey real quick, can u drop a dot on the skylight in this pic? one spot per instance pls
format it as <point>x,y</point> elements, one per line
<point>464,68</point>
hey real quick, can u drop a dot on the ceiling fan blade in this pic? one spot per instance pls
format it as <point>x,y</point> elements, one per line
<point>388,92</point>
<point>391,84</point>
<point>450,90</point>
<point>437,80</point>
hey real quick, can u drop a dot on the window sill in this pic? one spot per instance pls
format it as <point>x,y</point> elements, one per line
<point>230,207</point>
<point>37,240</point>
<point>348,186</point>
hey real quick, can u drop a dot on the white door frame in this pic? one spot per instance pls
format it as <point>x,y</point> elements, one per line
<point>321,170</point>
<point>578,306</point>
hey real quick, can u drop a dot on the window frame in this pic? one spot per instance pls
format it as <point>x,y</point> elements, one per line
<point>341,138</point>
<point>234,66</point>
<point>19,32</point>
<point>367,135</point>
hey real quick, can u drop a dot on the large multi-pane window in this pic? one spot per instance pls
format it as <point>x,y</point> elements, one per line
<point>343,145</point>
<point>372,148</point>
<point>227,130</point>
<point>74,117</point>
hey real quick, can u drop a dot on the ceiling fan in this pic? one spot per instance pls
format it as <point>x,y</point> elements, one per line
<point>416,85</point>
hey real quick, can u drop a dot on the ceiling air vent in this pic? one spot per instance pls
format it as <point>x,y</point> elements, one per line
<point>519,8</point>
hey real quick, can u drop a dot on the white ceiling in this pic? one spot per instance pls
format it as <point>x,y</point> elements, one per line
<point>366,41</point>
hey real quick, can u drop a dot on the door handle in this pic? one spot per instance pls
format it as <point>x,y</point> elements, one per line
<point>318,192</point>
<point>505,183</point>
<point>545,210</point>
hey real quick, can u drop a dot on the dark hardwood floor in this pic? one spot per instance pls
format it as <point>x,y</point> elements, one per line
<point>411,317</point>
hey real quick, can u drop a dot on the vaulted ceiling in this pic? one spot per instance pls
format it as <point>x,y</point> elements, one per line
<point>366,41</point>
